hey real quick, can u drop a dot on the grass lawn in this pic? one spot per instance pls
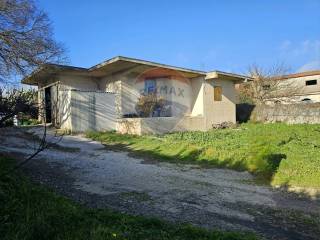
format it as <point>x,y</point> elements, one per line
<point>29,211</point>
<point>287,155</point>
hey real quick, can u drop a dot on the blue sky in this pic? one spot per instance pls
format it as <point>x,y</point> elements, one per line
<point>204,35</point>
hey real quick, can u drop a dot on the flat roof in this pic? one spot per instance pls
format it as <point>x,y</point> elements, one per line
<point>232,76</point>
<point>300,74</point>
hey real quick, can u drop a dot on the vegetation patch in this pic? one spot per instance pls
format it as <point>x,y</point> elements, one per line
<point>29,211</point>
<point>281,154</point>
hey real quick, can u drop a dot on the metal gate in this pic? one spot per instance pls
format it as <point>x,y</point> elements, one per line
<point>92,111</point>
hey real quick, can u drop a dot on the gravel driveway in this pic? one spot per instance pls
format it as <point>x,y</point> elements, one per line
<point>87,172</point>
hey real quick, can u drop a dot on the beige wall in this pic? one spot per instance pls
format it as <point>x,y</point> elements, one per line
<point>60,95</point>
<point>64,103</point>
<point>193,106</point>
<point>79,82</point>
<point>178,93</point>
<point>197,101</point>
<point>204,111</point>
<point>297,90</point>
<point>300,84</point>
<point>160,125</point>
<point>219,111</point>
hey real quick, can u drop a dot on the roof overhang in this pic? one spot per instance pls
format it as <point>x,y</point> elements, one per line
<point>112,66</point>
<point>49,70</point>
<point>298,75</point>
<point>227,76</point>
<point>122,64</point>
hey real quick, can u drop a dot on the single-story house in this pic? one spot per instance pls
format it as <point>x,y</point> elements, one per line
<point>105,96</point>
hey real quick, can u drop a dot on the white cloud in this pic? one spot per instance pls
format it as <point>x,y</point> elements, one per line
<point>305,54</point>
<point>306,47</point>
<point>285,45</point>
<point>313,65</point>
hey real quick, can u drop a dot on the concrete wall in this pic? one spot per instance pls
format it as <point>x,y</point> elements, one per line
<point>64,107</point>
<point>300,84</point>
<point>92,111</point>
<point>219,111</point>
<point>82,83</point>
<point>290,113</point>
<point>197,101</point>
<point>295,99</point>
<point>192,104</point>
<point>160,125</point>
<point>61,85</point>
<point>178,94</point>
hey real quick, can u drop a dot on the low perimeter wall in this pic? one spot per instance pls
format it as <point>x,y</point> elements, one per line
<point>160,125</point>
<point>289,113</point>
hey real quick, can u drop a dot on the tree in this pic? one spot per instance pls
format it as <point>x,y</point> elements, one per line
<point>26,43</point>
<point>267,84</point>
<point>26,38</point>
<point>16,101</point>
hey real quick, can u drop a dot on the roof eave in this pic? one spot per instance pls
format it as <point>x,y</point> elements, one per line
<point>230,76</point>
<point>144,62</point>
<point>47,70</point>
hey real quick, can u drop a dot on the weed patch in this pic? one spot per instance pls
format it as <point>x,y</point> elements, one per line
<point>278,153</point>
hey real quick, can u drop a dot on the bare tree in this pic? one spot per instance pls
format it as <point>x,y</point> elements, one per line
<point>267,84</point>
<point>26,38</point>
<point>148,104</point>
<point>26,43</point>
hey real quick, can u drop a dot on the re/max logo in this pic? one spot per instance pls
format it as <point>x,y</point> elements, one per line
<point>165,90</point>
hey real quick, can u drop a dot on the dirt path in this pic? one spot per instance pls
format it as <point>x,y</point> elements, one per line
<point>215,198</point>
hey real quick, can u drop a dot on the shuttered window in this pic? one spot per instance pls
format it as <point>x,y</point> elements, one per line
<point>217,93</point>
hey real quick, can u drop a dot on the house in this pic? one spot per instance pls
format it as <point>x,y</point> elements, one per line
<point>105,96</point>
<point>304,87</point>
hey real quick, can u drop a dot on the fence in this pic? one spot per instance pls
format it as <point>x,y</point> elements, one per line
<point>289,113</point>
<point>92,111</point>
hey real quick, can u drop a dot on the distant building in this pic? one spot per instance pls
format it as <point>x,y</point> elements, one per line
<point>304,88</point>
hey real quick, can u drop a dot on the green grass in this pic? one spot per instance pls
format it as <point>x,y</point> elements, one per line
<point>29,211</point>
<point>287,155</point>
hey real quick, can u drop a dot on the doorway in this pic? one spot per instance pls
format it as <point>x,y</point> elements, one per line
<point>48,104</point>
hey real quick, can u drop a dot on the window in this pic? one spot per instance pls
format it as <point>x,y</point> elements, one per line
<point>149,86</point>
<point>217,93</point>
<point>311,82</point>
<point>306,100</point>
